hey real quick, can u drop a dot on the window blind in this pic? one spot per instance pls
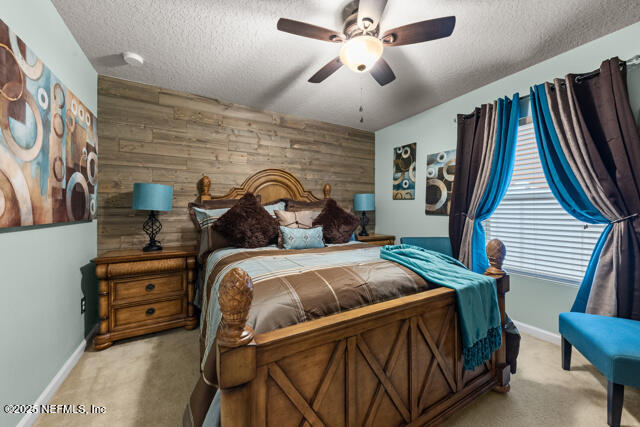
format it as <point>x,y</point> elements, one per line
<point>542,239</point>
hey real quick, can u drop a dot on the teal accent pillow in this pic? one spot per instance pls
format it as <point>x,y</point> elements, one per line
<point>302,238</point>
<point>272,208</point>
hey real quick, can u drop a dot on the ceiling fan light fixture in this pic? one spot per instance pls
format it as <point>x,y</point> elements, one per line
<point>360,53</point>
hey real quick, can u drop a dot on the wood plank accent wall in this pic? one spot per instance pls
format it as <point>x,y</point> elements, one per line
<point>150,134</point>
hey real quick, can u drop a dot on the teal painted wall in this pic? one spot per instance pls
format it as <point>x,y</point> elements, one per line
<point>41,269</point>
<point>532,301</point>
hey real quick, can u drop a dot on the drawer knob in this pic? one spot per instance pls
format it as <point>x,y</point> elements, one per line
<point>150,311</point>
<point>150,287</point>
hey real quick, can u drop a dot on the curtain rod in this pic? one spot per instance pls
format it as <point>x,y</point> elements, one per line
<point>633,61</point>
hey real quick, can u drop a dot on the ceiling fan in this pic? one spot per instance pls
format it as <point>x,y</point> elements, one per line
<point>363,45</point>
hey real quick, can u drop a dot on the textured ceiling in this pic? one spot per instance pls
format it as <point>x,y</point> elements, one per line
<point>231,50</point>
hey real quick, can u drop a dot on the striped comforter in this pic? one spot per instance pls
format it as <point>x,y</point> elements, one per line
<point>293,286</point>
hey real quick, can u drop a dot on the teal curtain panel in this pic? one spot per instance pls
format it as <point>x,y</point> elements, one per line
<point>590,152</point>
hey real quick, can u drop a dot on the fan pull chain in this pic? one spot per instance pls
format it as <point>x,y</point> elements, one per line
<point>361,109</point>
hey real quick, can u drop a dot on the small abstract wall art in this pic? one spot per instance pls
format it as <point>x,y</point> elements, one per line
<point>48,143</point>
<point>440,173</point>
<point>404,172</point>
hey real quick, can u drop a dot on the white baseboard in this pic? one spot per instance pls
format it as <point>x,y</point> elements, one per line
<point>538,333</point>
<point>58,379</point>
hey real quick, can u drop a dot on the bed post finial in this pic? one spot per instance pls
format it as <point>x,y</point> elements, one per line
<point>234,296</point>
<point>496,252</point>
<point>327,191</point>
<point>236,364</point>
<point>204,188</point>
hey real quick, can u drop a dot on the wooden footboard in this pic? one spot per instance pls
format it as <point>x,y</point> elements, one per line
<point>391,363</point>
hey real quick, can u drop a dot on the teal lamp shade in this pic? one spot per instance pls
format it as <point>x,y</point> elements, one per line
<point>152,197</point>
<point>364,202</point>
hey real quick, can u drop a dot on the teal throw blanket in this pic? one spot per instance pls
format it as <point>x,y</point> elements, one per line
<point>475,293</point>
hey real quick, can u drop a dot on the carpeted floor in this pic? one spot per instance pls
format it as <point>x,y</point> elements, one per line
<point>140,382</point>
<point>147,381</point>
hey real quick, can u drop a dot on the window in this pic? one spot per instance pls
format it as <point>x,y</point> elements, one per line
<point>542,239</point>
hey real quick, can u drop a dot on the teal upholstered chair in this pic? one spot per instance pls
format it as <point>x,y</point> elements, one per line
<point>612,345</point>
<point>438,244</point>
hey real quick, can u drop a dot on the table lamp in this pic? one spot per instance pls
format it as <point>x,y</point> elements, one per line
<point>364,202</point>
<point>152,198</point>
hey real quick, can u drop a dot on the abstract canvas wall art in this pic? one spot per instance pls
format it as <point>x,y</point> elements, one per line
<point>440,173</point>
<point>404,172</point>
<point>48,143</point>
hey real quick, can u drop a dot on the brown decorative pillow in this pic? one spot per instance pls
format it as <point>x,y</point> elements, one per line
<point>301,219</point>
<point>314,207</point>
<point>247,224</point>
<point>337,224</point>
<point>210,240</point>
<point>211,204</point>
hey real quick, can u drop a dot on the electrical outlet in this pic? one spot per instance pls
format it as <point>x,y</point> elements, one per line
<point>83,305</point>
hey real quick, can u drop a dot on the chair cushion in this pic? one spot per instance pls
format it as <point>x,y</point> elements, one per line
<point>438,244</point>
<point>611,344</point>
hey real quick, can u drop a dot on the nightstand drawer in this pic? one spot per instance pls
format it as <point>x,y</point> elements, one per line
<point>144,292</point>
<point>149,313</point>
<point>148,287</point>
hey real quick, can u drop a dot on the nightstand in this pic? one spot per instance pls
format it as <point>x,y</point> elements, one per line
<point>143,292</point>
<point>377,239</point>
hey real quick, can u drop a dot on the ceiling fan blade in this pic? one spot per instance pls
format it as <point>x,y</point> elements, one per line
<point>326,71</point>
<point>382,72</point>
<point>369,12</point>
<point>419,32</point>
<point>307,30</point>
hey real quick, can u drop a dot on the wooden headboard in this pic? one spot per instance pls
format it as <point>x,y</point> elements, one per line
<point>270,184</point>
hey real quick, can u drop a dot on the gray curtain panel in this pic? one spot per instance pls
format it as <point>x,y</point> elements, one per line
<point>469,154</point>
<point>484,171</point>
<point>597,131</point>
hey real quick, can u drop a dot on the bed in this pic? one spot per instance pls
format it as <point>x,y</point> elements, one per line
<point>394,361</point>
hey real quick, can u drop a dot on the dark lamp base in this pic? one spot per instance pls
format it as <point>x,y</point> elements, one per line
<point>152,227</point>
<point>151,247</point>
<point>363,225</point>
